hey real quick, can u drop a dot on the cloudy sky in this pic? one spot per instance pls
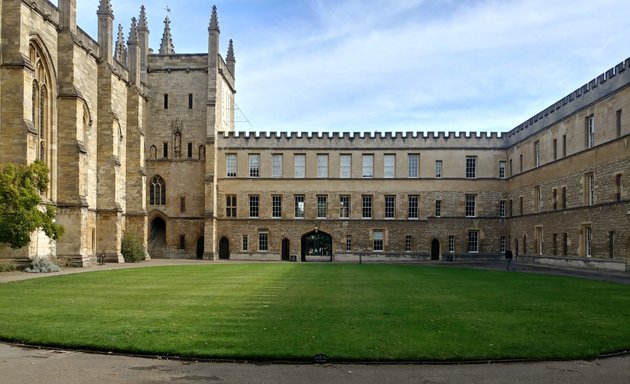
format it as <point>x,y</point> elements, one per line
<point>395,65</point>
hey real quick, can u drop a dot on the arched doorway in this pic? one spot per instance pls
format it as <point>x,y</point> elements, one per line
<point>157,238</point>
<point>317,246</point>
<point>224,248</point>
<point>200,245</point>
<point>286,250</point>
<point>435,249</point>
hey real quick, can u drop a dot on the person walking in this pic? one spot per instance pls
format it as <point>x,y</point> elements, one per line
<point>508,257</point>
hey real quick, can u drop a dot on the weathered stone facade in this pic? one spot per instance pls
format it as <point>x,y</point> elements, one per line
<point>144,143</point>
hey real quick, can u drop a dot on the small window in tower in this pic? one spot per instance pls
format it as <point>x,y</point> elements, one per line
<point>190,150</point>
<point>190,101</point>
<point>166,101</point>
<point>165,150</point>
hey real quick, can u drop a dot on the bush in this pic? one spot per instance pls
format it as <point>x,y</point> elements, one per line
<point>61,262</point>
<point>7,266</point>
<point>42,265</point>
<point>132,249</point>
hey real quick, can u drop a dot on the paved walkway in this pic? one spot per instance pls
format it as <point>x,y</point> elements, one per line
<point>44,366</point>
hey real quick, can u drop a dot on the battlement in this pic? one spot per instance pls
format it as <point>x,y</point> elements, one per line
<point>178,62</point>
<point>603,85</point>
<point>372,140</point>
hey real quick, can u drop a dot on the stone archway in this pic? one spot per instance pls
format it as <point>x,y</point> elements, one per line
<point>157,238</point>
<point>317,246</point>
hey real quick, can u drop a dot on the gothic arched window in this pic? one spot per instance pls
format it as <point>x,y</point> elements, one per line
<point>41,102</point>
<point>157,191</point>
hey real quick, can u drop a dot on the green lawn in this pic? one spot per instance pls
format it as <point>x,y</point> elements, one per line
<point>295,311</point>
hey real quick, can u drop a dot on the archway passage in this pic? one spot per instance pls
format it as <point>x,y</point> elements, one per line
<point>317,246</point>
<point>435,249</point>
<point>224,248</point>
<point>157,238</point>
<point>200,245</point>
<point>286,250</point>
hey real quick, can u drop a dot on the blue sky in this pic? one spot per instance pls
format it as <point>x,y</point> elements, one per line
<point>395,65</point>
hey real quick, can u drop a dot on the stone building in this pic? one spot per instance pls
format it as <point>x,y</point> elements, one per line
<point>144,143</point>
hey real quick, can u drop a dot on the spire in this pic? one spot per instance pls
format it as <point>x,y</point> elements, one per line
<point>167,48</point>
<point>142,23</point>
<point>230,59</point>
<point>119,52</point>
<point>214,20</point>
<point>105,6</point>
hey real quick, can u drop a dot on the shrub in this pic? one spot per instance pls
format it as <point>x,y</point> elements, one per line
<point>42,265</point>
<point>7,266</point>
<point>132,249</point>
<point>62,262</point>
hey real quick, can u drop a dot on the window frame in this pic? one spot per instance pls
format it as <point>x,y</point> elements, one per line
<point>471,167</point>
<point>231,165</point>
<point>254,165</point>
<point>322,166</point>
<point>390,206</point>
<point>322,206</point>
<point>254,206</point>
<point>366,206</point>
<point>367,166</point>
<point>471,205</point>
<point>277,165</point>
<point>344,206</point>
<point>276,206</point>
<point>231,205</point>
<point>413,203</point>
<point>345,170</point>
<point>389,166</point>
<point>473,241</point>
<point>299,211</point>
<point>378,240</point>
<point>299,166</point>
<point>413,165</point>
<point>263,241</point>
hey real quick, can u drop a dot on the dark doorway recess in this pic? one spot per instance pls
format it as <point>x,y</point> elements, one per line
<point>200,244</point>
<point>224,248</point>
<point>435,249</point>
<point>286,250</point>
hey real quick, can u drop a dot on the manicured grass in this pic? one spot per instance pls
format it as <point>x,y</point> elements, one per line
<point>295,311</point>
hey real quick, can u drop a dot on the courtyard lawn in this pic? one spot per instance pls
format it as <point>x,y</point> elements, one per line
<point>296,311</point>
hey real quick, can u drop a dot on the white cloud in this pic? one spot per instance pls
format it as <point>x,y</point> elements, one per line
<point>401,64</point>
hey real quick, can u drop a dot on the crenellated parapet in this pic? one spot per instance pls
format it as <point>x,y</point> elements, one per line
<point>368,140</point>
<point>603,85</point>
<point>178,63</point>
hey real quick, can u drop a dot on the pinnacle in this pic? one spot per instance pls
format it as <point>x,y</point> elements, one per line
<point>230,52</point>
<point>119,53</point>
<point>167,47</point>
<point>133,33</point>
<point>105,7</point>
<point>142,23</point>
<point>214,20</point>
